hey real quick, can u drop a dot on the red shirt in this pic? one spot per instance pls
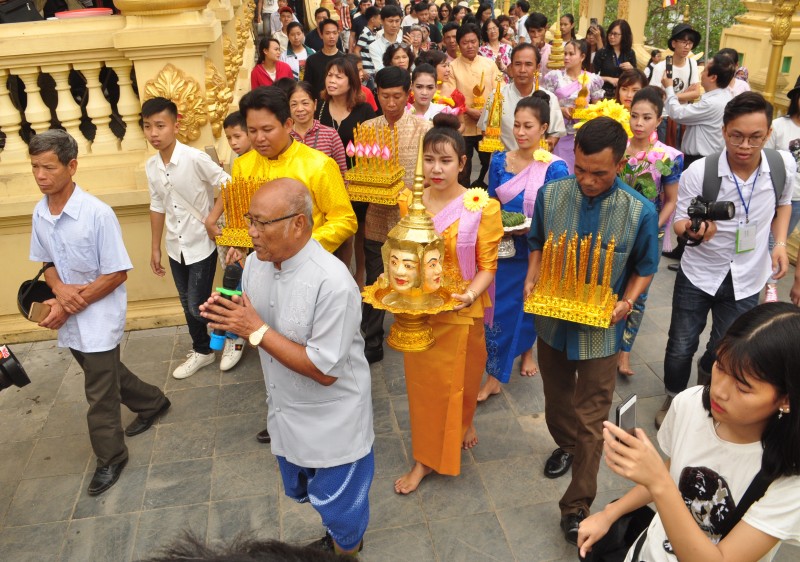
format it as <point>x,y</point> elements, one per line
<point>259,76</point>
<point>370,99</point>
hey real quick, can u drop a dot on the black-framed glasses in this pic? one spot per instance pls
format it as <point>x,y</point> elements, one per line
<point>261,225</point>
<point>754,141</point>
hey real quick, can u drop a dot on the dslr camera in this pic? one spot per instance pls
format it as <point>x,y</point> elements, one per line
<point>11,371</point>
<point>701,210</point>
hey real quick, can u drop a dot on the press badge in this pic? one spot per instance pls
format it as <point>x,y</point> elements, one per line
<point>746,237</point>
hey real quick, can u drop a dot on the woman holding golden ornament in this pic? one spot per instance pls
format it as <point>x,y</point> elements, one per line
<point>574,88</point>
<point>446,95</point>
<point>443,382</point>
<point>514,178</point>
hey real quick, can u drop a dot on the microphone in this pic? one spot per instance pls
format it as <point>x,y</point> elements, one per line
<point>230,282</point>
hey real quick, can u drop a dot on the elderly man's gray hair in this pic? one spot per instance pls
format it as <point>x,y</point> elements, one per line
<point>56,141</point>
<point>303,204</point>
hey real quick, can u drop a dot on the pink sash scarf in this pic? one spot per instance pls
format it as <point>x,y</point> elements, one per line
<point>530,179</point>
<point>468,223</point>
<point>564,92</point>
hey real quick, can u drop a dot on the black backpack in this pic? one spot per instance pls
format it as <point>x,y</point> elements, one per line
<point>16,11</point>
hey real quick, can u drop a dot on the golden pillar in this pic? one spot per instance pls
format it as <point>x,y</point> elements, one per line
<point>779,33</point>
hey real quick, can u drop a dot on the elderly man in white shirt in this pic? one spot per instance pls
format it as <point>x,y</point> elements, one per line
<point>725,273</point>
<point>524,63</point>
<point>703,119</point>
<point>301,308</point>
<point>79,239</point>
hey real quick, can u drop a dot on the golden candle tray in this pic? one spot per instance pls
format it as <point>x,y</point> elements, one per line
<point>377,176</point>
<point>236,195</point>
<point>563,291</point>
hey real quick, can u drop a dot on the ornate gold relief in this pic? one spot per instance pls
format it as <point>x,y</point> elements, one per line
<point>249,10</point>
<point>218,98</point>
<point>229,53</point>
<point>242,33</point>
<point>173,84</point>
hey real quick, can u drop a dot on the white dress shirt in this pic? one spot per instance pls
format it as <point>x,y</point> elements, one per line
<point>511,97</point>
<point>84,242</point>
<point>194,176</point>
<point>378,47</point>
<point>314,301</point>
<point>707,265</point>
<point>703,135</point>
<point>786,136</point>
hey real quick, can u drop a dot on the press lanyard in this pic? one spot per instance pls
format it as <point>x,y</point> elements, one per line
<point>749,199</point>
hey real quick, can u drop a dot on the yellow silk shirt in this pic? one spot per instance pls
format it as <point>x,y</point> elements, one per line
<point>334,219</point>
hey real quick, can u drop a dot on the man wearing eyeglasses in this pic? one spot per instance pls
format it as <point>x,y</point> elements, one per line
<point>300,307</point>
<point>725,273</point>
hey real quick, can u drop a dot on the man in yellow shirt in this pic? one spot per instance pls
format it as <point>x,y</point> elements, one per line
<point>276,155</point>
<point>466,72</point>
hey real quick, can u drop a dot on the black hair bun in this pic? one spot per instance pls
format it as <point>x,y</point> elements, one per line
<point>542,95</point>
<point>446,121</point>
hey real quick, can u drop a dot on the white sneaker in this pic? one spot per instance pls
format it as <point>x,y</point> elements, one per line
<point>771,294</point>
<point>194,363</point>
<point>231,354</point>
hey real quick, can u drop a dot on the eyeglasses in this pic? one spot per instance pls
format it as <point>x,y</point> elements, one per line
<point>614,34</point>
<point>753,142</point>
<point>262,225</point>
<point>684,42</point>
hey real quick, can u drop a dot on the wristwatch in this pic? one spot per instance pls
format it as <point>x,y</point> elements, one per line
<point>256,337</point>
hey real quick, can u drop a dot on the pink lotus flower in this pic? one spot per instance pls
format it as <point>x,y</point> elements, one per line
<point>351,150</point>
<point>653,156</point>
<point>386,154</point>
<point>641,155</point>
<point>633,162</point>
<point>360,151</point>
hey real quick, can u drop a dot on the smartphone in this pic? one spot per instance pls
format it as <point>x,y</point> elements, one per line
<point>38,312</point>
<point>406,30</point>
<point>593,21</point>
<point>668,66</point>
<point>626,414</point>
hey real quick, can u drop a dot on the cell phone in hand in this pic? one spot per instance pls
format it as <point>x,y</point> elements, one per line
<point>668,66</point>
<point>626,414</point>
<point>593,21</point>
<point>38,312</point>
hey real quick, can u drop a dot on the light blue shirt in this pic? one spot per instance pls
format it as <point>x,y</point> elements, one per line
<point>313,300</point>
<point>84,242</point>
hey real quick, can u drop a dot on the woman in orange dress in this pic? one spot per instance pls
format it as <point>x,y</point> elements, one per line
<point>443,382</point>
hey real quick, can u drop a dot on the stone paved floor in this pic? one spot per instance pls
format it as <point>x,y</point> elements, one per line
<point>201,469</point>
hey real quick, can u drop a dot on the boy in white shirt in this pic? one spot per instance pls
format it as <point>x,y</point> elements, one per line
<point>181,180</point>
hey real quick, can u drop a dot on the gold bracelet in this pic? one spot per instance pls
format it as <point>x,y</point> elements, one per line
<point>473,294</point>
<point>780,244</point>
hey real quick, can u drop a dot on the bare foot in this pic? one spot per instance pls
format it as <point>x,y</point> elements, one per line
<point>409,481</point>
<point>624,364</point>
<point>491,386</point>
<point>470,438</point>
<point>528,367</point>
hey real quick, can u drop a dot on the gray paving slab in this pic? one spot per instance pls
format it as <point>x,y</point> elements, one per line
<point>200,469</point>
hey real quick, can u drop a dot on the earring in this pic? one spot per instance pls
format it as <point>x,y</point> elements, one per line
<point>781,411</point>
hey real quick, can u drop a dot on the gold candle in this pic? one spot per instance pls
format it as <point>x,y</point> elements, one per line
<point>544,265</point>
<point>595,263</point>
<point>553,259</point>
<point>608,265</point>
<point>569,274</point>
<point>560,255</point>
<point>396,144</point>
<point>585,250</point>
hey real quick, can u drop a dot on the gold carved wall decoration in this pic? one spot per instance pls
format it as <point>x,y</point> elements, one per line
<point>229,53</point>
<point>249,10</point>
<point>218,98</point>
<point>173,84</point>
<point>622,10</point>
<point>242,33</point>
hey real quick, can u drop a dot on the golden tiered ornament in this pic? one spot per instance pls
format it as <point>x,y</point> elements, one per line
<point>377,176</point>
<point>491,140</point>
<point>236,195</point>
<point>563,291</point>
<point>412,288</point>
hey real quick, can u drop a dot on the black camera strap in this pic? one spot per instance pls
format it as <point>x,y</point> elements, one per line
<point>712,181</point>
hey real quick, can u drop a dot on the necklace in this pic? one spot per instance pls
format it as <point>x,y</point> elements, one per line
<point>335,124</point>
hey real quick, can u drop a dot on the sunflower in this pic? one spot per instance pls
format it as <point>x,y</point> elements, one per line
<point>541,155</point>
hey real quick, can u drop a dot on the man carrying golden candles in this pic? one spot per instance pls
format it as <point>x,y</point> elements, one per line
<point>595,202</point>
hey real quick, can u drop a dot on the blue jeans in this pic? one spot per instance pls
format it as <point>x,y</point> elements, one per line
<point>690,307</point>
<point>194,283</point>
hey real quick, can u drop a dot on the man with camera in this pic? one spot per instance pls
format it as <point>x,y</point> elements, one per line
<point>727,259</point>
<point>80,236</point>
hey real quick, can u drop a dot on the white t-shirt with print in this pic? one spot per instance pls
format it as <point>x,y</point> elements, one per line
<point>682,77</point>
<point>786,136</point>
<point>712,476</point>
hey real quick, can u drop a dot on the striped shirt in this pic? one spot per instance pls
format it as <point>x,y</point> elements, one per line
<point>325,139</point>
<point>366,39</point>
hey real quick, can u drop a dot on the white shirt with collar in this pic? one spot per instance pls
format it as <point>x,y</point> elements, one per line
<point>511,97</point>
<point>314,301</point>
<point>378,48</point>
<point>707,265</point>
<point>84,242</point>
<point>704,119</point>
<point>193,174</point>
<point>522,33</point>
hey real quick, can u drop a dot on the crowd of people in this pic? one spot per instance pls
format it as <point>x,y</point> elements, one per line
<point>431,71</point>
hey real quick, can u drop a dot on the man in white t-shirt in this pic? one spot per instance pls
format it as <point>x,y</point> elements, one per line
<point>265,10</point>
<point>522,8</point>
